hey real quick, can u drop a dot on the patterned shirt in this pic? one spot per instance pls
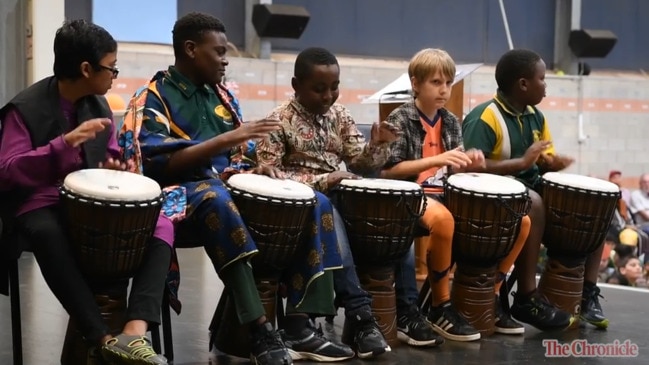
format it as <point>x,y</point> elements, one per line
<point>308,146</point>
<point>410,146</point>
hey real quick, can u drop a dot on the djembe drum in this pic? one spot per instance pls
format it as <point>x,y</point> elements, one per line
<point>578,211</point>
<point>110,215</point>
<point>487,210</point>
<point>276,213</point>
<point>380,217</point>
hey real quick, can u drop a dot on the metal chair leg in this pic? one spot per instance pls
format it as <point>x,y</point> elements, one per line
<point>16,325</point>
<point>155,339</point>
<point>166,329</point>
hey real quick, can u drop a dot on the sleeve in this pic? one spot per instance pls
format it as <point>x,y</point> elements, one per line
<point>156,138</point>
<point>476,133</point>
<point>398,150</point>
<point>112,148</point>
<point>271,152</point>
<point>636,202</point>
<point>22,165</point>
<point>359,155</point>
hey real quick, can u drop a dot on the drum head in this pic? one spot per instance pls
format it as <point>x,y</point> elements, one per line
<point>581,182</point>
<point>104,184</point>
<point>381,184</point>
<point>268,187</point>
<point>486,183</point>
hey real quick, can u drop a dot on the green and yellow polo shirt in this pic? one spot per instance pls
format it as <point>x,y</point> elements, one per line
<point>502,133</point>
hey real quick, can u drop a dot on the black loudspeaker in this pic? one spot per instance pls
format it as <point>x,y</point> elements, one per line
<point>595,43</point>
<point>279,21</point>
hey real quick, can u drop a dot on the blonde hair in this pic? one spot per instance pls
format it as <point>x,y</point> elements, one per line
<point>429,61</point>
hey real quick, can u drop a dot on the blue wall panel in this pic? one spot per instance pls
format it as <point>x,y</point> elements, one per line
<point>471,30</point>
<point>628,19</point>
<point>231,13</point>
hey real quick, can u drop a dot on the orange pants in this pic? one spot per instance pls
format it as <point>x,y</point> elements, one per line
<point>438,244</point>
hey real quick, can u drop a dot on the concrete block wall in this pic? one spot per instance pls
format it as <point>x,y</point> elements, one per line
<point>614,109</point>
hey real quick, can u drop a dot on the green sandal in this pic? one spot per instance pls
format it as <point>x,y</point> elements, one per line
<point>131,350</point>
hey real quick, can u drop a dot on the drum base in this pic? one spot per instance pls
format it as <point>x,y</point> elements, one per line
<point>76,351</point>
<point>228,335</point>
<point>378,281</point>
<point>473,296</point>
<point>562,284</point>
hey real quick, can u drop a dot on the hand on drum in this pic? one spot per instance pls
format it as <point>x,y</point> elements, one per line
<point>269,171</point>
<point>86,131</point>
<point>554,163</point>
<point>255,130</point>
<point>456,158</point>
<point>534,152</point>
<point>112,164</point>
<point>384,132</point>
<point>477,161</point>
<point>334,178</point>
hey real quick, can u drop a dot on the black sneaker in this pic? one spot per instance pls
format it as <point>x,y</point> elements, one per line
<point>311,344</point>
<point>535,311</point>
<point>451,325</point>
<point>267,347</point>
<point>415,330</point>
<point>368,339</point>
<point>505,324</point>
<point>591,310</point>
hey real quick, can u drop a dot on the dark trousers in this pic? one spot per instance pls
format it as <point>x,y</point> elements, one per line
<point>45,230</point>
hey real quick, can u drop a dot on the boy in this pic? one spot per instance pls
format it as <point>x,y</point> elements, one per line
<point>192,135</point>
<point>316,136</point>
<point>515,139</point>
<point>431,73</point>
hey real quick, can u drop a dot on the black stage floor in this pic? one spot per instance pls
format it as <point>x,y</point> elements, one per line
<point>44,323</point>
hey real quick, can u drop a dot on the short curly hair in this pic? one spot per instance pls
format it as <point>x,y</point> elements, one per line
<point>314,56</point>
<point>514,65</point>
<point>191,27</point>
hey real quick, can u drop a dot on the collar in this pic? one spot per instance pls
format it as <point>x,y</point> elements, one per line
<point>307,114</point>
<point>186,87</point>
<point>507,106</point>
<point>412,112</point>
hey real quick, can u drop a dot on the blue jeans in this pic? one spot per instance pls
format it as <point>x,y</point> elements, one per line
<point>348,288</point>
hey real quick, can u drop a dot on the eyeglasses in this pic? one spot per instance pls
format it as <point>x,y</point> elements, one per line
<point>114,70</point>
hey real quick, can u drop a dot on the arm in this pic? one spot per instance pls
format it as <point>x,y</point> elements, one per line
<point>23,166</point>
<point>271,152</point>
<point>406,169</point>
<point>359,155</point>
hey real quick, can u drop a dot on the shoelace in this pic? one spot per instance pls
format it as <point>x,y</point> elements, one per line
<point>451,315</point>
<point>272,339</point>
<point>415,317</point>
<point>594,295</point>
<point>143,349</point>
<point>366,328</point>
